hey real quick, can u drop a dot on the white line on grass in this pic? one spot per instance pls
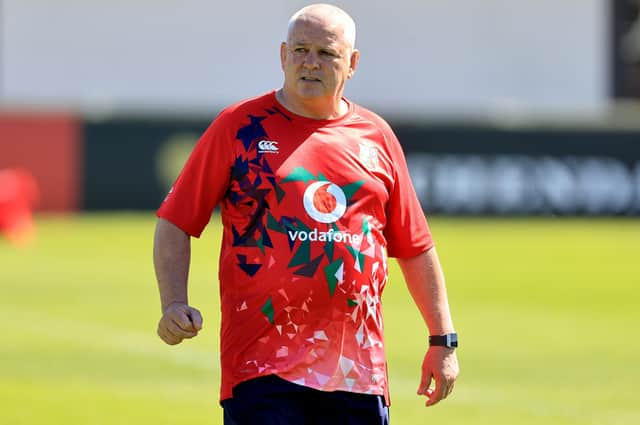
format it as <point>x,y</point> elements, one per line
<point>100,336</point>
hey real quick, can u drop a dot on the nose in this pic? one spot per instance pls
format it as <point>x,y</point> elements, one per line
<point>311,60</point>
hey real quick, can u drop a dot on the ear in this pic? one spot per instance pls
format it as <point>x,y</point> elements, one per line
<point>283,54</point>
<point>353,63</point>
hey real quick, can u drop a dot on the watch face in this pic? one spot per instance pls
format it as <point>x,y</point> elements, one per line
<point>452,340</point>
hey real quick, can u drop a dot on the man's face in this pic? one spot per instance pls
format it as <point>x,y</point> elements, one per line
<point>316,61</point>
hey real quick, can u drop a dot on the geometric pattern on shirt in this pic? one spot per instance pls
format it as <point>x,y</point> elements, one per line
<point>250,193</point>
<point>253,181</point>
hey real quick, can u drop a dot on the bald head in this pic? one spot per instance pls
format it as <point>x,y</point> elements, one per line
<point>317,59</point>
<point>331,17</point>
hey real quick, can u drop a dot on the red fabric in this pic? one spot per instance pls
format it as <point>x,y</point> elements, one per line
<point>309,208</point>
<point>18,196</point>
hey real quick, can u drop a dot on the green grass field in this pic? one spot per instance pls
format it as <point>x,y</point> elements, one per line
<point>547,311</point>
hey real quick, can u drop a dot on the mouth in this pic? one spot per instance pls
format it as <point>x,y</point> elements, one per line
<point>310,79</point>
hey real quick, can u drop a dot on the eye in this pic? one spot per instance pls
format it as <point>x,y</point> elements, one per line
<point>327,53</point>
<point>300,50</point>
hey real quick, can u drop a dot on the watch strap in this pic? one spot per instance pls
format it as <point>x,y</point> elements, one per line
<point>446,340</point>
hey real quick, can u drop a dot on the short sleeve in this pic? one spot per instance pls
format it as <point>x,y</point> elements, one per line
<point>407,231</point>
<point>202,182</point>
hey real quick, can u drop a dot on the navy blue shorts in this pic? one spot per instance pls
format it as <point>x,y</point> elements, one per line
<point>271,400</point>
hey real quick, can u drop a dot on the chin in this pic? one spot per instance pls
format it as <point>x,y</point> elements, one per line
<point>310,94</point>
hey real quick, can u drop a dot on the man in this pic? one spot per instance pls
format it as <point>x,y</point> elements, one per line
<point>314,193</point>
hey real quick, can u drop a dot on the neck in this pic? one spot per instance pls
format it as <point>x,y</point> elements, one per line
<point>319,109</point>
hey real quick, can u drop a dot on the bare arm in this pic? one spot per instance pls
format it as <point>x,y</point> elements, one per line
<point>426,284</point>
<point>171,258</point>
<point>425,280</point>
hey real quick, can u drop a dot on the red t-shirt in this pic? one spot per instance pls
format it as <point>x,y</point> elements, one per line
<point>309,208</point>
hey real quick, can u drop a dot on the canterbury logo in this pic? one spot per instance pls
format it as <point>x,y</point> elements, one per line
<point>267,146</point>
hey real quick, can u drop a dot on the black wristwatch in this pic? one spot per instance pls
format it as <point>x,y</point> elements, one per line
<point>447,340</point>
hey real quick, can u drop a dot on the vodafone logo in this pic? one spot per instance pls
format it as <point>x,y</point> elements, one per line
<point>325,202</point>
<point>267,146</point>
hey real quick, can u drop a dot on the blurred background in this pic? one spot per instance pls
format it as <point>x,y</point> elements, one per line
<point>503,107</point>
<point>521,125</point>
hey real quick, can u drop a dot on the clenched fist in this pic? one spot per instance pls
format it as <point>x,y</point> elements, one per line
<point>179,321</point>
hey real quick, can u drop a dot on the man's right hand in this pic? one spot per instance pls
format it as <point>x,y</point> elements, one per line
<point>179,321</point>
